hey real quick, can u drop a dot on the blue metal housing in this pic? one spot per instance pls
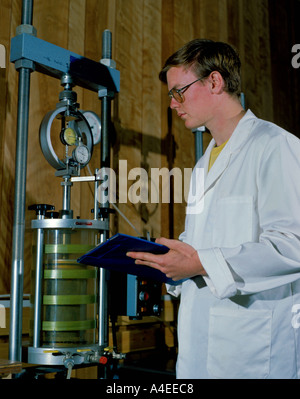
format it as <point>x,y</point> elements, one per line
<point>55,61</point>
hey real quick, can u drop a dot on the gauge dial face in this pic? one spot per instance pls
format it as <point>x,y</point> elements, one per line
<point>81,154</point>
<point>69,136</point>
<point>95,124</point>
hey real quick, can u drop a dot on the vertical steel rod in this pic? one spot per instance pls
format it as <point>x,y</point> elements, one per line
<point>27,12</point>
<point>105,162</point>
<point>96,198</point>
<point>17,272</point>
<point>38,288</point>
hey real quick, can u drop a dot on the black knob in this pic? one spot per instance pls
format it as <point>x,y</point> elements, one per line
<point>52,215</point>
<point>41,209</point>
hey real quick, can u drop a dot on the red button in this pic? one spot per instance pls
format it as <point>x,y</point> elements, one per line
<point>103,360</point>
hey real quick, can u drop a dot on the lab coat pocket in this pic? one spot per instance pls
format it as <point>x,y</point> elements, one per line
<point>233,221</point>
<point>239,343</point>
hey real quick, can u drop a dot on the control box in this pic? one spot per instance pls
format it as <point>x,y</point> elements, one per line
<point>134,296</point>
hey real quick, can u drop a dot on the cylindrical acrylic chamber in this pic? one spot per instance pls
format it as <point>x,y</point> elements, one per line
<point>69,291</point>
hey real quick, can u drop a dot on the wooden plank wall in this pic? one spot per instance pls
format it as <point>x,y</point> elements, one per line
<point>144,33</point>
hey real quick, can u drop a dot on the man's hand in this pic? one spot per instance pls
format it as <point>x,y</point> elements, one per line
<point>181,262</point>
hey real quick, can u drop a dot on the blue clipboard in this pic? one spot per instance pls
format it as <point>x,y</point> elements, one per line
<point>111,255</point>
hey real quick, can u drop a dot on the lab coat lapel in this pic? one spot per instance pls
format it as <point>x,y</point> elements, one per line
<point>236,141</point>
<point>221,163</point>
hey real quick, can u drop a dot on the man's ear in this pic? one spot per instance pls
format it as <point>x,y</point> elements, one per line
<point>217,83</point>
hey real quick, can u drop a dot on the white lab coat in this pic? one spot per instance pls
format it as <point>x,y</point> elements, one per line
<point>242,321</point>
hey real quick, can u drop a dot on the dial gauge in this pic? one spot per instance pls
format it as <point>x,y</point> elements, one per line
<point>95,124</point>
<point>81,154</point>
<point>69,136</point>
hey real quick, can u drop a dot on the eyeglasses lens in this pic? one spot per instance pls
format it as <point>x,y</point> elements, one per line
<point>177,96</point>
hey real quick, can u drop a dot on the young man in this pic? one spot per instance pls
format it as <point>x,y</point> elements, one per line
<point>240,254</point>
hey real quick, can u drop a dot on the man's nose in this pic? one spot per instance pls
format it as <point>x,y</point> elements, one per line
<point>173,103</point>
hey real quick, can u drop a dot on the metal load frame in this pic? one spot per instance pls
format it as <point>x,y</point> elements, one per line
<point>29,54</point>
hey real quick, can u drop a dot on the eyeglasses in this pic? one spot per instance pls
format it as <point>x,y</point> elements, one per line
<point>177,94</point>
